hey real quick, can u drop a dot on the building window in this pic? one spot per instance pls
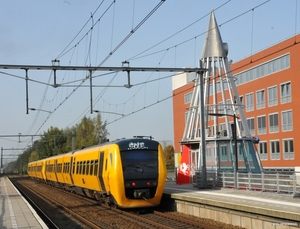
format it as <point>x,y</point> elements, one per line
<point>240,105</point>
<point>222,126</point>
<point>249,102</point>
<point>273,119</point>
<point>261,123</point>
<point>188,97</point>
<point>275,150</point>
<point>264,69</point>
<point>186,115</point>
<point>287,122</point>
<point>288,152</point>
<point>260,99</point>
<point>229,107</point>
<point>272,96</point>
<point>263,151</point>
<point>208,154</point>
<point>223,149</point>
<point>285,93</point>
<point>250,123</point>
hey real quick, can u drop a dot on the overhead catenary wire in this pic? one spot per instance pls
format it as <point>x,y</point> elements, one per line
<point>131,33</point>
<point>161,51</point>
<point>63,52</point>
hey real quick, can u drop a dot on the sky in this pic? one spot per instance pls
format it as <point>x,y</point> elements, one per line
<point>107,33</point>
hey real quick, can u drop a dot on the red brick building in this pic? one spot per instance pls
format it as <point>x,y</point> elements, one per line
<point>267,83</point>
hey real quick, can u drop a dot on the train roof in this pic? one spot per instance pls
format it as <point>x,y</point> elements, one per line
<point>137,142</point>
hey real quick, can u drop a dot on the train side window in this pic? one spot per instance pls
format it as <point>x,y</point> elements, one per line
<point>87,167</point>
<point>77,169</point>
<point>80,167</point>
<point>96,168</point>
<point>74,167</point>
<point>84,167</point>
<point>91,167</point>
<point>106,164</point>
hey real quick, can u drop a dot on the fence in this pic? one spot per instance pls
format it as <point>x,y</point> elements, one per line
<point>288,183</point>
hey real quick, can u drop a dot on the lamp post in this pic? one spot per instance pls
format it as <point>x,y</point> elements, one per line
<point>234,138</point>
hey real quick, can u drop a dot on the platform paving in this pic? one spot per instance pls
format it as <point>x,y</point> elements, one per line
<point>274,205</point>
<point>15,211</point>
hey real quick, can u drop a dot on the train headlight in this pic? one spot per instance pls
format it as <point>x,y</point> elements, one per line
<point>154,183</point>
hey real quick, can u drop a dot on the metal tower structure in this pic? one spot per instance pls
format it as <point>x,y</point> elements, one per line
<point>216,116</point>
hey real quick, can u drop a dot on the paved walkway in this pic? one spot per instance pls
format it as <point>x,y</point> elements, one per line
<point>264,203</point>
<point>15,211</point>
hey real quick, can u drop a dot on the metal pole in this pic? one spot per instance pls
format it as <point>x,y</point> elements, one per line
<point>1,157</point>
<point>73,140</point>
<point>91,93</point>
<point>26,78</point>
<point>235,153</point>
<point>203,143</point>
<point>235,143</point>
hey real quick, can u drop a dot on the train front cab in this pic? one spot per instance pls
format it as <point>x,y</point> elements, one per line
<point>136,173</point>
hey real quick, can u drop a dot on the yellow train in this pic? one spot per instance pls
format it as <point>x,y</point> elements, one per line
<point>128,173</point>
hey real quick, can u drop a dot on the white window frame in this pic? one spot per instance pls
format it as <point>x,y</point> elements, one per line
<point>260,102</point>
<point>250,102</point>
<point>285,92</point>
<point>275,149</point>
<point>274,128</point>
<point>188,96</point>
<point>263,151</point>
<point>287,120</point>
<point>272,96</point>
<point>251,128</point>
<point>260,128</point>
<point>289,153</point>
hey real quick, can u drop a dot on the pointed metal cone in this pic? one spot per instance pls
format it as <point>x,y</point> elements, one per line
<point>213,45</point>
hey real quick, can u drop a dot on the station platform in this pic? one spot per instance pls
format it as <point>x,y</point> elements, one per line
<point>237,207</point>
<point>15,211</point>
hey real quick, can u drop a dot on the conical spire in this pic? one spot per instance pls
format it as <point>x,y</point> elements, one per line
<point>213,46</point>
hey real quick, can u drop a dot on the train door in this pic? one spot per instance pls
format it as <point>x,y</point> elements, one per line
<point>72,169</point>
<point>55,169</point>
<point>101,171</point>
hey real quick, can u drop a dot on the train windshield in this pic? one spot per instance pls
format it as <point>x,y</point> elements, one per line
<point>145,161</point>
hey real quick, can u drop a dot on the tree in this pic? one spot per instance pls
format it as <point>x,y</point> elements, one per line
<point>169,156</point>
<point>90,132</point>
<point>52,143</point>
<point>101,132</point>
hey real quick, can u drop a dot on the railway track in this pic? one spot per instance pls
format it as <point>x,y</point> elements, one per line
<point>92,214</point>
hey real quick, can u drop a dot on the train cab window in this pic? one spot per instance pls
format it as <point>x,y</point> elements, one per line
<point>91,167</point>
<point>96,168</point>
